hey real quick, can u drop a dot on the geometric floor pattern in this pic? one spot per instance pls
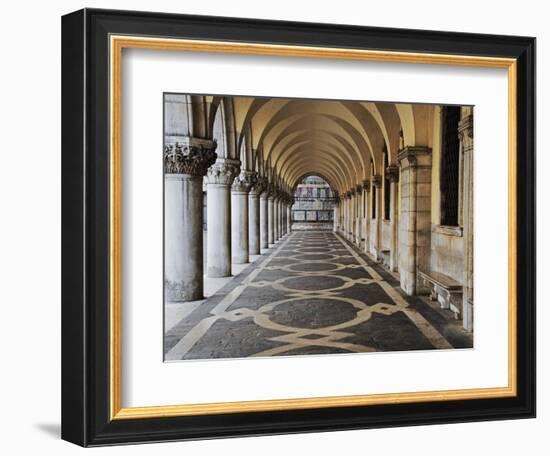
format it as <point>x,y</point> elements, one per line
<point>313,293</point>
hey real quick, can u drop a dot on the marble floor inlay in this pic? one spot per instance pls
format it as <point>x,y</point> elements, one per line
<point>313,293</point>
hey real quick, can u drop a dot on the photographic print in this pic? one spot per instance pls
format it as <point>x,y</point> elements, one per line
<point>256,201</point>
<point>310,226</point>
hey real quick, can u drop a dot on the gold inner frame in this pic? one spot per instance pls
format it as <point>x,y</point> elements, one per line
<point>117,44</point>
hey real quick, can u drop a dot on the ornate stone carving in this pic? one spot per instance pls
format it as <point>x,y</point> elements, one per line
<point>392,173</point>
<point>223,171</point>
<point>466,128</point>
<point>260,185</point>
<point>377,180</point>
<point>244,181</point>
<point>193,158</point>
<point>466,133</point>
<point>366,185</point>
<point>359,189</point>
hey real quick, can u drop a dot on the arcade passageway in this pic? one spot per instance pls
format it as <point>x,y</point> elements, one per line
<point>296,226</point>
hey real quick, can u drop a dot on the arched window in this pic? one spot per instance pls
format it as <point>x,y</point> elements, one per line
<point>449,183</point>
<point>386,186</point>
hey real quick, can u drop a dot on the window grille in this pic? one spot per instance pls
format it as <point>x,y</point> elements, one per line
<point>449,176</point>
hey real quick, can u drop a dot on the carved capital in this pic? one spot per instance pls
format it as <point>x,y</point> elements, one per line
<point>193,157</point>
<point>223,171</point>
<point>392,173</point>
<point>466,127</point>
<point>259,186</point>
<point>466,133</point>
<point>377,180</point>
<point>359,189</point>
<point>244,181</point>
<point>366,185</point>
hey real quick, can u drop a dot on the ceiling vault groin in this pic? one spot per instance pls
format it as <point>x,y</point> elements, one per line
<point>286,139</point>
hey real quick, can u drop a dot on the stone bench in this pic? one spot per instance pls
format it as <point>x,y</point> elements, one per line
<point>443,289</point>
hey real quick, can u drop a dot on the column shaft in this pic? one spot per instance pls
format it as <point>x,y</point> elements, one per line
<point>254,223</point>
<point>466,133</point>
<point>239,227</point>
<point>270,222</point>
<point>394,225</point>
<point>288,218</point>
<point>392,172</point>
<point>264,222</point>
<point>275,220</point>
<point>415,215</point>
<point>219,179</point>
<point>183,237</point>
<point>218,237</point>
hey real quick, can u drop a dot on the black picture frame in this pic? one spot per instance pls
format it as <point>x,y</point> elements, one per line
<point>85,227</point>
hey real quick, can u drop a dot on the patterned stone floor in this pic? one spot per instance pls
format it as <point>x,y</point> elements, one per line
<point>313,293</point>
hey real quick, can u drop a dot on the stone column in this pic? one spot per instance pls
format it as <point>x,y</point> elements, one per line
<point>466,135</point>
<point>239,216</point>
<point>276,217</point>
<point>366,233</point>
<point>335,215</point>
<point>392,172</point>
<point>346,207</point>
<point>254,216</point>
<point>219,178</point>
<point>270,219</point>
<point>358,212</point>
<point>415,214</point>
<point>282,214</point>
<point>283,217</point>
<point>377,182</point>
<point>348,215</point>
<point>264,219</point>
<point>289,216</point>
<point>184,168</point>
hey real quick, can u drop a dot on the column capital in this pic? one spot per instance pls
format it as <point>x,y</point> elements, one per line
<point>414,155</point>
<point>466,127</point>
<point>223,171</point>
<point>466,133</point>
<point>392,173</point>
<point>193,156</point>
<point>244,181</point>
<point>377,180</point>
<point>260,186</point>
<point>366,185</point>
<point>359,189</point>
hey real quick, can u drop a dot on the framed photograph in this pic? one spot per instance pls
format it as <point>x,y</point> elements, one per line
<point>278,227</point>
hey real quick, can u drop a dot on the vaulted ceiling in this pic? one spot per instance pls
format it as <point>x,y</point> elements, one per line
<point>287,139</point>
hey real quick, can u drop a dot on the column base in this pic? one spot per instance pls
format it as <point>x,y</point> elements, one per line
<point>182,291</point>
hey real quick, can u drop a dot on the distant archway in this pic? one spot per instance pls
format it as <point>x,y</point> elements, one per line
<point>314,201</point>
